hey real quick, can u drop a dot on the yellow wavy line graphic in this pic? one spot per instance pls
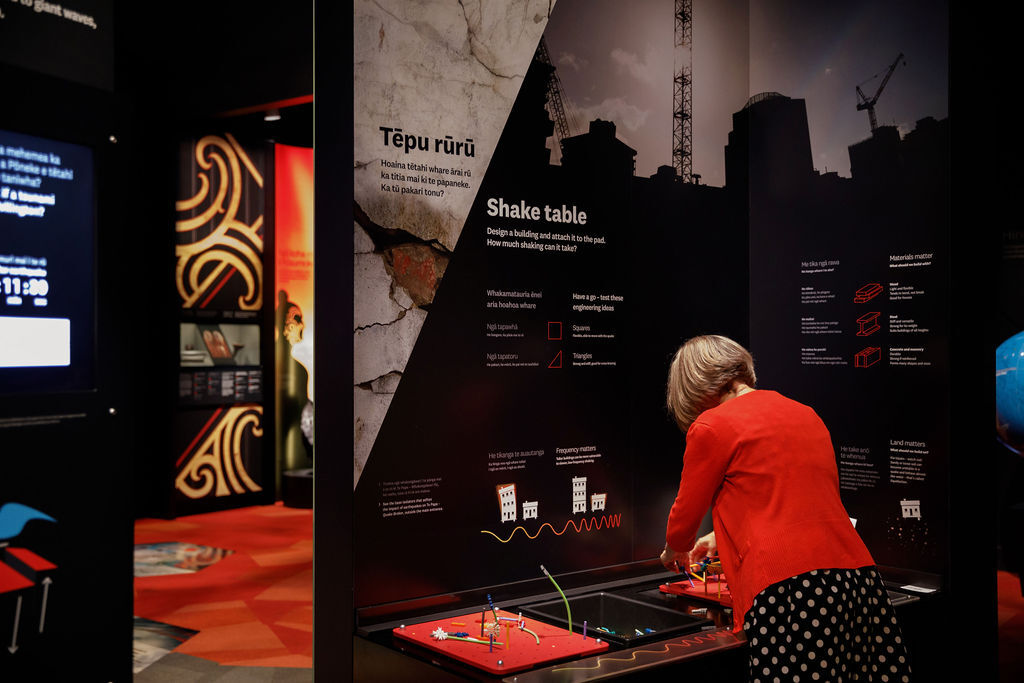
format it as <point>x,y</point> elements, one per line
<point>632,658</point>
<point>608,521</point>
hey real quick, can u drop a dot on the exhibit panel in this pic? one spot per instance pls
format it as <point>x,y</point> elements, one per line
<point>48,286</point>
<point>845,325</point>
<point>65,529</point>
<point>532,341</point>
<point>224,219</point>
<point>294,322</point>
<point>90,340</point>
<point>509,418</point>
<point>527,262</point>
<point>849,292</point>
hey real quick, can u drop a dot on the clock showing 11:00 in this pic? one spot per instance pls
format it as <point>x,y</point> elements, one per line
<point>16,290</point>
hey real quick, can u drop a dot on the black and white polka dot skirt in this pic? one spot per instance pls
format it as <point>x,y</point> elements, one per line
<point>830,625</point>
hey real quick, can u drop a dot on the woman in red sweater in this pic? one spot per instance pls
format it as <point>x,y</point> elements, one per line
<point>803,585</point>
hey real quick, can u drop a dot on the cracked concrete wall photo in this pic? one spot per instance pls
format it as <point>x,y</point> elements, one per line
<point>434,81</point>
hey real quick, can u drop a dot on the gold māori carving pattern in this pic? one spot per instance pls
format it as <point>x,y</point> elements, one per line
<point>216,463</point>
<point>221,239</point>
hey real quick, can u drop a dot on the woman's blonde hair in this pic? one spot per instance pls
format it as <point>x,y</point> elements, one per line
<point>704,368</point>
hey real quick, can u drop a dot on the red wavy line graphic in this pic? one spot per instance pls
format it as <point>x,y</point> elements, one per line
<point>608,521</point>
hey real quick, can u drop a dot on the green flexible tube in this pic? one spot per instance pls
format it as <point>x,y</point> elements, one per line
<point>470,640</point>
<point>568,611</point>
<point>535,636</point>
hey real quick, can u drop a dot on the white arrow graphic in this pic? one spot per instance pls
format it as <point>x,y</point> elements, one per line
<point>14,638</point>
<point>46,592</point>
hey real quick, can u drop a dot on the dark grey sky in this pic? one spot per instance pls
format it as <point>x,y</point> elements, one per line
<point>615,60</point>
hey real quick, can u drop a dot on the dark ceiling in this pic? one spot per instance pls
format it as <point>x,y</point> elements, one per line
<point>204,59</point>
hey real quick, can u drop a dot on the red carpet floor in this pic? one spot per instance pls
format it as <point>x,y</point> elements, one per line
<point>252,608</point>
<point>1010,612</point>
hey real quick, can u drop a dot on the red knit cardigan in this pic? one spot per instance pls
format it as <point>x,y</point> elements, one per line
<point>765,465</point>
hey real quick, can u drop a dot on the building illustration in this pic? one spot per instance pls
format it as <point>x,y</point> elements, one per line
<point>911,509</point>
<point>597,501</point>
<point>530,509</point>
<point>507,502</point>
<point>579,494</point>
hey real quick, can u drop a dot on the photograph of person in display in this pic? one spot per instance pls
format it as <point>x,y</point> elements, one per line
<point>804,586</point>
<point>216,344</point>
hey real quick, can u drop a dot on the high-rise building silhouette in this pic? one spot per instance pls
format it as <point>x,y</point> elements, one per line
<point>769,146</point>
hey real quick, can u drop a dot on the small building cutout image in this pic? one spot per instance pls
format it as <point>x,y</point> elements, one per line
<point>530,509</point>
<point>597,501</point>
<point>579,494</point>
<point>507,502</point>
<point>911,509</point>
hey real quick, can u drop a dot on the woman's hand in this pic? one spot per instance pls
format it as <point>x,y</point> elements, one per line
<point>673,560</point>
<point>704,547</point>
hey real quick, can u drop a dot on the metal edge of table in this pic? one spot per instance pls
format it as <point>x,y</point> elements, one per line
<point>632,660</point>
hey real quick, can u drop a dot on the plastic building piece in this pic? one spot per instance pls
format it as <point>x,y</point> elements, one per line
<point>526,630</point>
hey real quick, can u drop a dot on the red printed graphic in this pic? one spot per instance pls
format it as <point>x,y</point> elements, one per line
<point>867,357</point>
<point>25,579</point>
<point>556,362</point>
<point>867,292</point>
<point>868,324</point>
<point>555,330</point>
<point>593,523</point>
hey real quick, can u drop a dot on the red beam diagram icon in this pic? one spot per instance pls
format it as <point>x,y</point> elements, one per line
<point>867,292</point>
<point>867,357</point>
<point>868,324</point>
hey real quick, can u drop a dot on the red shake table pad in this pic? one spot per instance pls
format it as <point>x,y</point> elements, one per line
<point>715,590</point>
<point>521,651</point>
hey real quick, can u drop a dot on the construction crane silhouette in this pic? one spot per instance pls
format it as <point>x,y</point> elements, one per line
<point>682,93</point>
<point>864,102</point>
<point>565,121</point>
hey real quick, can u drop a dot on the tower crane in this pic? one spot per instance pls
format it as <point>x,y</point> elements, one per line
<point>682,92</point>
<point>565,122</point>
<point>865,102</point>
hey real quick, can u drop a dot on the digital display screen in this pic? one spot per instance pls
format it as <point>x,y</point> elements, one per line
<point>47,264</point>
